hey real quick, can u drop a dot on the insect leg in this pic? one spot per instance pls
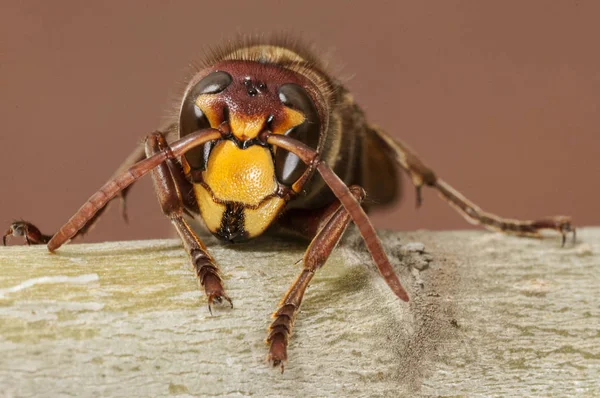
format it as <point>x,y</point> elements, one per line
<point>423,175</point>
<point>327,227</point>
<point>137,155</point>
<point>352,206</point>
<point>167,176</point>
<point>33,235</point>
<point>116,184</point>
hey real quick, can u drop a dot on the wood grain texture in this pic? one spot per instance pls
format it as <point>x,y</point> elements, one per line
<point>489,315</point>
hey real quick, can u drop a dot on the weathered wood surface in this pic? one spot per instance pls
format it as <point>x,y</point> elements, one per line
<point>490,316</point>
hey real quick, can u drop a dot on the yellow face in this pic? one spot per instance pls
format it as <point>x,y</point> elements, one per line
<point>240,183</point>
<point>237,197</point>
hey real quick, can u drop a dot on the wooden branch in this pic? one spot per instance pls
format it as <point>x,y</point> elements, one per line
<point>489,315</point>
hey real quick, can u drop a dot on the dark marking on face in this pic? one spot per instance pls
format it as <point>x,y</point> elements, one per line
<point>232,224</point>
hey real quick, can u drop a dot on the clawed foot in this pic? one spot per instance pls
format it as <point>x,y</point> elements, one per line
<point>278,351</point>
<point>32,234</point>
<point>213,288</point>
<point>217,298</point>
<point>561,224</point>
<point>279,332</point>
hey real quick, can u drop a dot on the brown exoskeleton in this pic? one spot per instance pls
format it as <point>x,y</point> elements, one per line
<point>267,139</point>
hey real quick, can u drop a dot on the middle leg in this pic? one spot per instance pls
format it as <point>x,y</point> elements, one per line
<point>421,175</point>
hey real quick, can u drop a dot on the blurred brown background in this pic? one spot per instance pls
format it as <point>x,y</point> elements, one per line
<point>501,98</point>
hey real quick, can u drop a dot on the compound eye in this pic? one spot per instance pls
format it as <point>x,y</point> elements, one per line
<point>288,167</point>
<point>191,117</point>
<point>213,83</point>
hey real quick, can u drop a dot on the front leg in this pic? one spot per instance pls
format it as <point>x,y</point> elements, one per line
<point>329,225</point>
<point>168,178</point>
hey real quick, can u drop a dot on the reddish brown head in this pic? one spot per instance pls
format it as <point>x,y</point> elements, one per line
<point>242,183</point>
